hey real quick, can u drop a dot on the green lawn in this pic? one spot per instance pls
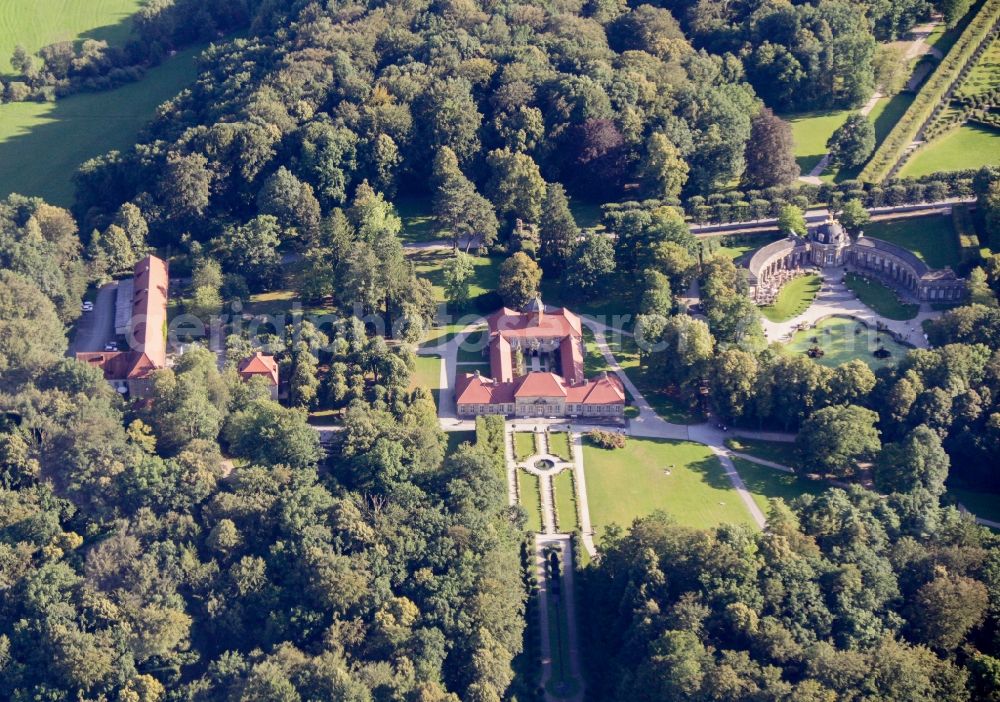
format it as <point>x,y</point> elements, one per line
<point>735,247</point>
<point>426,373</point>
<point>811,130</point>
<point>42,144</point>
<point>969,146</point>
<point>843,339</point>
<point>767,483</point>
<point>559,445</point>
<point>985,75</point>
<point>37,23</point>
<point>565,498</point>
<point>531,499</point>
<point>982,504</point>
<point>614,307</point>
<point>457,438</point>
<point>778,451</point>
<point>587,215</point>
<point>418,222</point>
<point>524,445</point>
<point>932,239</point>
<point>430,265</point>
<point>883,117</point>
<point>881,299</point>
<point>793,299</point>
<point>628,483</point>
<point>472,348</point>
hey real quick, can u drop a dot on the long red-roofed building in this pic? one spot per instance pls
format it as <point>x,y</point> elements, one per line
<point>145,333</point>
<point>536,363</point>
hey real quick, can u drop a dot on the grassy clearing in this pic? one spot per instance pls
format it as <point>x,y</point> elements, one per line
<point>880,298</point>
<point>632,482</point>
<point>565,499</point>
<point>767,484</point>
<point>586,214</point>
<point>426,373</point>
<point>842,340</point>
<point>793,299</point>
<point>559,445</point>
<point>614,307</point>
<point>418,222</point>
<point>776,451</point>
<point>969,146</point>
<point>736,247</point>
<point>42,144</point>
<point>985,505</point>
<point>884,115</point>
<point>37,23</point>
<point>457,438</point>
<point>932,239</point>
<point>430,265</point>
<point>531,500</point>
<point>524,445</point>
<point>811,130</point>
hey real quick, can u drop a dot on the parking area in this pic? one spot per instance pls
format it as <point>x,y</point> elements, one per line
<point>96,328</point>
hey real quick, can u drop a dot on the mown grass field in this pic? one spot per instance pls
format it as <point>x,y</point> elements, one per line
<point>430,265</point>
<point>37,23</point>
<point>969,146</point>
<point>776,451</point>
<point>624,484</point>
<point>880,298</point>
<point>932,238</point>
<point>42,144</point>
<point>793,299</point>
<point>531,499</point>
<point>565,499</point>
<point>524,445</point>
<point>766,484</point>
<point>811,130</point>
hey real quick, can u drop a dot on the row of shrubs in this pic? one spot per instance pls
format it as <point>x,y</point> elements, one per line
<point>934,93</point>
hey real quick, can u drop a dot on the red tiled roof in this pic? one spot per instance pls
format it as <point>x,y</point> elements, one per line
<point>146,338</point>
<point>571,357</point>
<point>501,365</point>
<point>149,314</point>
<point>540,384</point>
<point>259,364</point>
<point>473,389</point>
<point>604,390</point>
<point>554,323</point>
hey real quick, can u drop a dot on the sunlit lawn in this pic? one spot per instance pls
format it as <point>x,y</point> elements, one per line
<point>524,445</point>
<point>565,499</point>
<point>880,298</point>
<point>430,265</point>
<point>531,499</point>
<point>43,143</point>
<point>843,339</point>
<point>811,130</point>
<point>743,246</point>
<point>559,445</point>
<point>793,299</point>
<point>932,238</point>
<point>778,451</point>
<point>427,373</point>
<point>624,484</point>
<point>969,146</point>
<point>766,483</point>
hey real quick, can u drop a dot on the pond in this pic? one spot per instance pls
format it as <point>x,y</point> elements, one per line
<point>544,464</point>
<point>837,340</point>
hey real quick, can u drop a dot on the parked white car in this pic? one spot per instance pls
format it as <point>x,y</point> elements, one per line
<point>111,346</point>
<point>87,306</point>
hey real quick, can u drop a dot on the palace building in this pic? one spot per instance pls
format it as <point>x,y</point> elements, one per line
<point>829,245</point>
<point>536,368</point>
<point>141,317</point>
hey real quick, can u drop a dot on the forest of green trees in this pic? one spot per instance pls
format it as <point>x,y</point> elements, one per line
<point>202,546</point>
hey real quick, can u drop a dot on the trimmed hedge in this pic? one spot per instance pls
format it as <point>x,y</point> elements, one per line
<point>934,94</point>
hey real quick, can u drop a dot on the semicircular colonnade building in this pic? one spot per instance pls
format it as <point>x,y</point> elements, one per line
<point>828,245</point>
